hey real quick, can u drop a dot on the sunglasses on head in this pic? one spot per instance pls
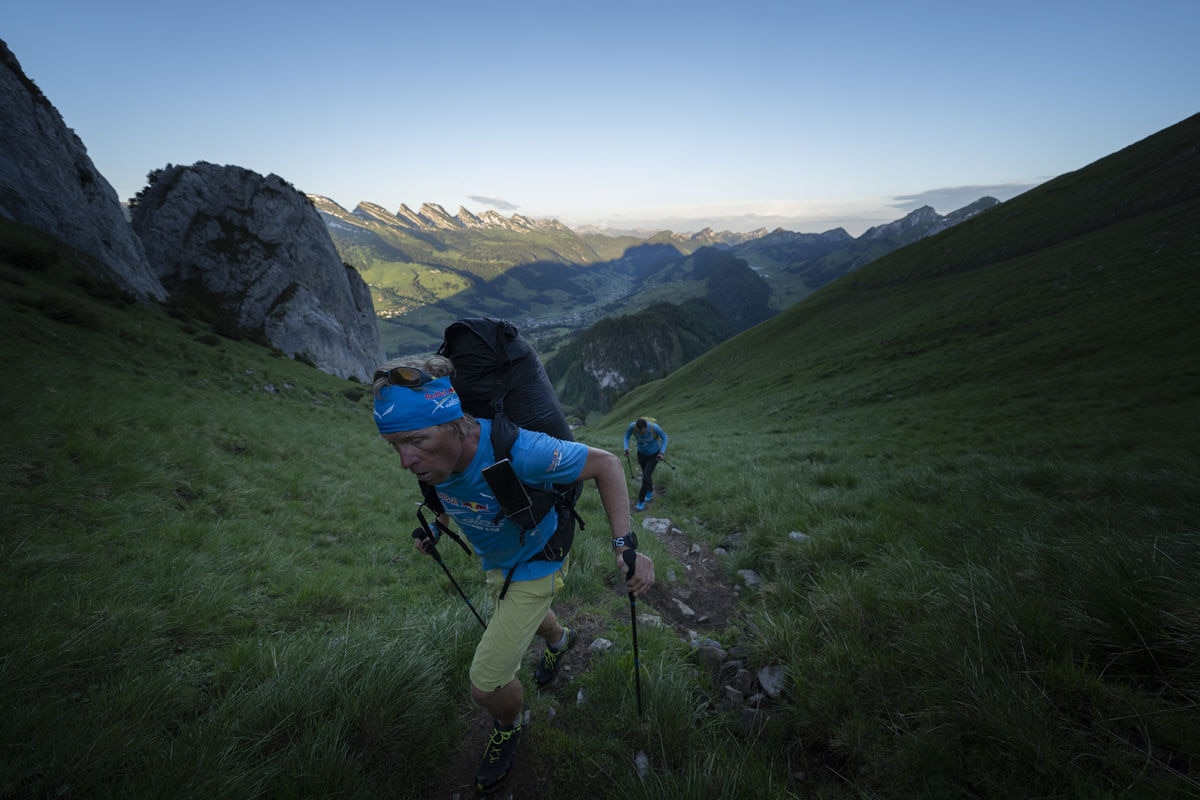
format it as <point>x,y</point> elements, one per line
<point>405,376</point>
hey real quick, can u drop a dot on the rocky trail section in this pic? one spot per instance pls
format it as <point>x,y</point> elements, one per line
<point>696,604</point>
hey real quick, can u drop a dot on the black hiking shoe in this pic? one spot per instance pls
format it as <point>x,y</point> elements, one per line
<point>552,659</point>
<point>498,755</point>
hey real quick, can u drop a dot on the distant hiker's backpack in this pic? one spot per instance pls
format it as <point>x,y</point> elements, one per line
<point>498,376</point>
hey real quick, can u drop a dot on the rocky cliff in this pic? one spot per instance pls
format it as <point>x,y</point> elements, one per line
<point>257,249</point>
<point>47,181</point>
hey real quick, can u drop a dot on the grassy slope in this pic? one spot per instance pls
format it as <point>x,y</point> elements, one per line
<point>985,444</point>
<point>198,538</point>
<point>988,439</point>
<point>208,586</point>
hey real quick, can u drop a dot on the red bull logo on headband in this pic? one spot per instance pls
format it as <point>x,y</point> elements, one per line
<point>401,408</point>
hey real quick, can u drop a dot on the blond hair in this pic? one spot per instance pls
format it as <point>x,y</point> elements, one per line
<point>438,367</point>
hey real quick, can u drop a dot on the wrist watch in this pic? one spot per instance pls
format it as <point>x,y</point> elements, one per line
<point>628,540</point>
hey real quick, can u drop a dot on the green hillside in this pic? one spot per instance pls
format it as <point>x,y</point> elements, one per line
<point>965,475</point>
<point>987,444</point>
<point>643,346</point>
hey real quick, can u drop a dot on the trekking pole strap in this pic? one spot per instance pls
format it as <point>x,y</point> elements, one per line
<point>442,528</point>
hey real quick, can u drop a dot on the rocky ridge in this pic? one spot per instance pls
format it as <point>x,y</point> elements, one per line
<point>258,249</point>
<point>48,182</point>
<point>434,218</point>
<point>249,250</point>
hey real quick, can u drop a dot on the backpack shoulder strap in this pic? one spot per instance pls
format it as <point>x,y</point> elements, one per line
<point>504,433</point>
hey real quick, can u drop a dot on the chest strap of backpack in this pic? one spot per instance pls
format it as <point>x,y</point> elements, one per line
<point>563,502</point>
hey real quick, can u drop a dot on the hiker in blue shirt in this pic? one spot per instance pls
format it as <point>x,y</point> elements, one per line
<point>651,448</point>
<point>419,414</point>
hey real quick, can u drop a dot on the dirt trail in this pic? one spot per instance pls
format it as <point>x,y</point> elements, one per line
<point>705,590</point>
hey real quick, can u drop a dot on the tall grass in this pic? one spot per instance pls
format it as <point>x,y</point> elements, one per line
<point>998,624</point>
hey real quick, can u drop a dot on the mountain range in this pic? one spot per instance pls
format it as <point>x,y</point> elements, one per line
<point>428,267</point>
<point>205,238</point>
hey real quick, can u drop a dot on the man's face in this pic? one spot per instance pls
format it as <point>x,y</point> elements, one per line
<point>432,454</point>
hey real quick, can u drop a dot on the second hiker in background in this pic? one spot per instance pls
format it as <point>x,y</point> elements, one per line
<point>651,442</point>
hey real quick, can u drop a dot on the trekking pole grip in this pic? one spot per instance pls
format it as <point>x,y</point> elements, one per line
<point>630,557</point>
<point>428,541</point>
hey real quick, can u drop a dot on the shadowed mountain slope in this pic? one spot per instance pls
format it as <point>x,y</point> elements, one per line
<point>1087,284</point>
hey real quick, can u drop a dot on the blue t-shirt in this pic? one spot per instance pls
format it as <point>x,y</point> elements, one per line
<point>539,460</point>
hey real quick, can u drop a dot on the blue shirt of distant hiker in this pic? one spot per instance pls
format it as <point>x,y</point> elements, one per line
<point>539,460</point>
<point>652,441</point>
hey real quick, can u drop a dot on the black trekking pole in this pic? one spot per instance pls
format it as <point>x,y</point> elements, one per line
<point>630,463</point>
<point>668,463</point>
<point>630,557</point>
<point>431,548</point>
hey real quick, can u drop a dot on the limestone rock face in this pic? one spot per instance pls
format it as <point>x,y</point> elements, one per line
<point>47,181</point>
<point>257,250</point>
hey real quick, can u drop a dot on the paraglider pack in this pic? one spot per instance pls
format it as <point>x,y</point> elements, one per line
<point>498,376</point>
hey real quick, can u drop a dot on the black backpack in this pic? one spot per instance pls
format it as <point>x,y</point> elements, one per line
<point>498,376</point>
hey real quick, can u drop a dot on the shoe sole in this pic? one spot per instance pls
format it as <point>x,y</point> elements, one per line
<point>479,789</point>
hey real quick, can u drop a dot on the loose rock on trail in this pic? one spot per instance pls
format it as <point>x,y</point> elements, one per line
<point>698,598</point>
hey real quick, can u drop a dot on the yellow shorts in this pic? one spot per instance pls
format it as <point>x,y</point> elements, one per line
<point>512,627</point>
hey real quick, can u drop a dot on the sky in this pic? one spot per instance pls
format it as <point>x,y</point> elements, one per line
<point>804,114</point>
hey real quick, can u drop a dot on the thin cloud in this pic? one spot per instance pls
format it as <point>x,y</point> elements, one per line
<point>952,198</point>
<point>493,202</point>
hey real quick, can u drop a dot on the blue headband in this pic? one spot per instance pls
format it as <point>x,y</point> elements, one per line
<point>399,408</point>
